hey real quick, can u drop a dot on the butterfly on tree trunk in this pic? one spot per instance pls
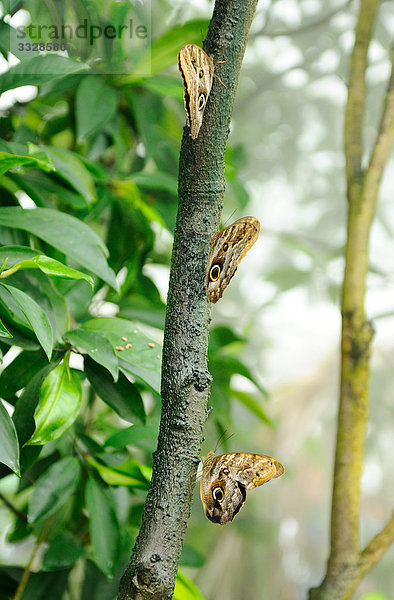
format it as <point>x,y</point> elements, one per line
<point>227,477</point>
<point>226,250</point>
<point>196,68</point>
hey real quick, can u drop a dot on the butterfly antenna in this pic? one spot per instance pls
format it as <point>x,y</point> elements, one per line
<point>229,437</point>
<point>223,438</point>
<point>228,218</point>
<point>196,475</point>
<point>195,456</point>
<point>218,442</point>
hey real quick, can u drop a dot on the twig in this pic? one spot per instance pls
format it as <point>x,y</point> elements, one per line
<point>22,516</point>
<point>374,551</point>
<point>26,572</point>
<point>356,96</point>
<point>383,143</point>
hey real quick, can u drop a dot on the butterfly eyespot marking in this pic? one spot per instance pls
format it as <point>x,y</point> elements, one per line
<point>214,273</point>
<point>227,249</point>
<point>225,471</point>
<point>201,102</point>
<point>201,73</point>
<point>218,494</point>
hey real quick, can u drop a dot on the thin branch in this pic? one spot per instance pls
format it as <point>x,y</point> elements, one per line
<point>374,551</point>
<point>356,97</point>
<point>22,516</point>
<point>384,141</point>
<point>356,332</point>
<point>344,586</point>
<point>26,573</point>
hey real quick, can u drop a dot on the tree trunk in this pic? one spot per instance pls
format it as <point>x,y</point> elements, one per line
<point>347,564</point>
<point>151,572</point>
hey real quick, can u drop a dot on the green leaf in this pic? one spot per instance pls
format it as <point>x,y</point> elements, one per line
<point>35,158</point>
<point>23,416</point>
<point>164,50</point>
<point>117,476</point>
<point>129,190</point>
<point>9,447</point>
<point>15,254</point>
<point>140,308</point>
<point>95,104</point>
<point>53,488</point>
<point>64,551</point>
<point>4,331</point>
<point>142,436</point>
<point>59,405</point>
<point>103,526</point>
<point>190,557</point>
<point>20,371</point>
<point>142,361</point>
<point>253,405</point>
<point>68,234</point>
<point>70,167</point>
<point>122,396</point>
<point>185,589</point>
<point>20,337</point>
<point>164,86</point>
<point>38,70</point>
<point>35,316</point>
<point>222,336</point>
<point>48,191</point>
<point>98,348</point>
<point>53,267</point>
<point>233,365</point>
<point>156,181</point>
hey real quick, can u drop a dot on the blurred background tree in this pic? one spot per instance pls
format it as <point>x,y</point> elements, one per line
<point>103,150</point>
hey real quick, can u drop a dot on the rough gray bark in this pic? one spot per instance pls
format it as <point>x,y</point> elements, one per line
<point>151,572</point>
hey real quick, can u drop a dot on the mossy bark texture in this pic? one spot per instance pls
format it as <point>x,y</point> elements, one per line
<point>347,563</point>
<point>185,387</point>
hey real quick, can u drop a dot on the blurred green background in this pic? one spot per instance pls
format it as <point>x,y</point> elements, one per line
<point>274,345</point>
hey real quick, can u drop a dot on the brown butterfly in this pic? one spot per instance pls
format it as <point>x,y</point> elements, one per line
<point>227,249</point>
<point>197,69</point>
<point>227,477</point>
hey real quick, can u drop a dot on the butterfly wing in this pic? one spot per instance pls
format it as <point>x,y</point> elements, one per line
<point>221,496</point>
<point>197,69</point>
<point>227,249</point>
<point>227,477</point>
<point>253,470</point>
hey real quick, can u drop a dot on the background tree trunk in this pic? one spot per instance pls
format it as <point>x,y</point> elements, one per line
<point>185,378</point>
<point>347,563</point>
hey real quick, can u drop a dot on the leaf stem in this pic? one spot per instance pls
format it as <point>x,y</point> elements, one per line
<point>9,272</point>
<point>26,573</point>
